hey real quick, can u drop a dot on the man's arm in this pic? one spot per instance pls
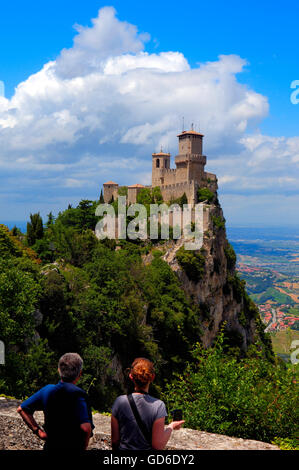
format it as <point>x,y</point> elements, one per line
<point>86,428</point>
<point>31,423</point>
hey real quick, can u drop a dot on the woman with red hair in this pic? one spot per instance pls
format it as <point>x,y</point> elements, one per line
<point>138,420</point>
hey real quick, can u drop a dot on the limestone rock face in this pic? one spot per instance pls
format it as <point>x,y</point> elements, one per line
<point>214,291</point>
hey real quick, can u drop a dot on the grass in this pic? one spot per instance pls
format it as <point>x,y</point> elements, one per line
<point>282,340</point>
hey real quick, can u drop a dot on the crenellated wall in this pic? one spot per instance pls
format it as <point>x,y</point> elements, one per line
<point>186,178</point>
<point>176,190</point>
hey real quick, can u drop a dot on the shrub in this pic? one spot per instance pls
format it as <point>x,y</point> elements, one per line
<point>204,194</point>
<point>286,444</point>
<point>249,398</point>
<point>231,257</point>
<point>218,222</point>
<point>180,200</point>
<point>238,286</point>
<point>123,191</point>
<point>192,263</point>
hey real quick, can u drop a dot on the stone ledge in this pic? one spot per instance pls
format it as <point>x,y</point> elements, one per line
<point>14,435</point>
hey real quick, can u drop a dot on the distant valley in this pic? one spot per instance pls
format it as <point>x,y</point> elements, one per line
<point>268,260</point>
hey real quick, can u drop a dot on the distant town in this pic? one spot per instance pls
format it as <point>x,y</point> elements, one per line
<point>271,291</point>
<point>268,261</point>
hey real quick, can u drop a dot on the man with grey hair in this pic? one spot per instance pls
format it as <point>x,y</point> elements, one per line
<point>68,419</point>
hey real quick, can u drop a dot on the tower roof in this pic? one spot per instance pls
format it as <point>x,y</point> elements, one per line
<point>136,186</point>
<point>192,132</point>
<point>111,182</point>
<point>161,154</point>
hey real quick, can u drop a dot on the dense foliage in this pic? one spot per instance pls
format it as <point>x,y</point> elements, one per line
<point>249,398</point>
<point>205,194</point>
<point>104,303</point>
<point>61,289</point>
<point>192,262</point>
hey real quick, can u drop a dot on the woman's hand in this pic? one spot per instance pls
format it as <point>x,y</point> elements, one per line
<point>161,434</point>
<point>42,434</point>
<point>174,425</point>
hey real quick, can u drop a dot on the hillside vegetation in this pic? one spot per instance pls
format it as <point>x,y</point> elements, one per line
<point>61,289</point>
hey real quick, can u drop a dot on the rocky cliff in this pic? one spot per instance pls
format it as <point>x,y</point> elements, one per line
<point>210,279</point>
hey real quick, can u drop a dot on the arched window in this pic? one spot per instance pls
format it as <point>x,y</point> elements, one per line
<point>157,163</point>
<point>165,163</point>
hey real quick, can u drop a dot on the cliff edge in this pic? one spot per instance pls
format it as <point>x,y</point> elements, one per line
<point>14,435</point>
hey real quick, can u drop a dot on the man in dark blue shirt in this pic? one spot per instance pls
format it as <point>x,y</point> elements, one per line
<point>68,419</point>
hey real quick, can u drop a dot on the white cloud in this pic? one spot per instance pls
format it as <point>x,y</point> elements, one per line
<point>163,62</point>
<point>102,108</point>
<point>107,37</point>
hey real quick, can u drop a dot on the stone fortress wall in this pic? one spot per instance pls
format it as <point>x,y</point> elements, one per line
<point>187,177</point>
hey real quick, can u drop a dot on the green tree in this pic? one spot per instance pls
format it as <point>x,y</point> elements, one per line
<point>144,196</point>
<point>75,248</point>
<point>157,195</point>
<point>25,353</point>
<point>15,231</point>
<point>35,229</point>
<point>50,221</point>
<point>87,218</point>
<point>183,200</point>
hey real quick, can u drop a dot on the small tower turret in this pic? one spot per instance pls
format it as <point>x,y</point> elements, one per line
<point>161,163</point>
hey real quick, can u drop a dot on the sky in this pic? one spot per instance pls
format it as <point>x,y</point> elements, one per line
<point>88,90</point>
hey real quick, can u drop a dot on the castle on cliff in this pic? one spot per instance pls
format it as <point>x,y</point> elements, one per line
<point>188,176</point>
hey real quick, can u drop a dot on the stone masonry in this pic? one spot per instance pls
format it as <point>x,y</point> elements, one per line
<point>187,177</point>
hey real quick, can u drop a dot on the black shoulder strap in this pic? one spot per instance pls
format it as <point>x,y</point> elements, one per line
<point>139,421</point>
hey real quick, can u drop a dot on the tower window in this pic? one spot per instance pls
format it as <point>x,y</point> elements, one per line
<point>157,163</point>
<point>165,163</point>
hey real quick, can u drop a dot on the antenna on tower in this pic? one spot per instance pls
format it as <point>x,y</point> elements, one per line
<point>183,124</point>
<point>192,126</point>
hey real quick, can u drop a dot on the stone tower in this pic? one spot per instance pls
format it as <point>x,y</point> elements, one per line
<point>190,162</point>
<point>110,190</point>
<point>160,165</point>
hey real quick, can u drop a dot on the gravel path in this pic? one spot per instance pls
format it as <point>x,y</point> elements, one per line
<point>14,435</point>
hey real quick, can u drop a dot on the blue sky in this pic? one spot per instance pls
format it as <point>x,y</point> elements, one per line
<point>264,34</point>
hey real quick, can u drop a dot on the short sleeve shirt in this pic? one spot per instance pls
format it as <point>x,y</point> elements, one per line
<point>65,408</point>
<point>149,408</point>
